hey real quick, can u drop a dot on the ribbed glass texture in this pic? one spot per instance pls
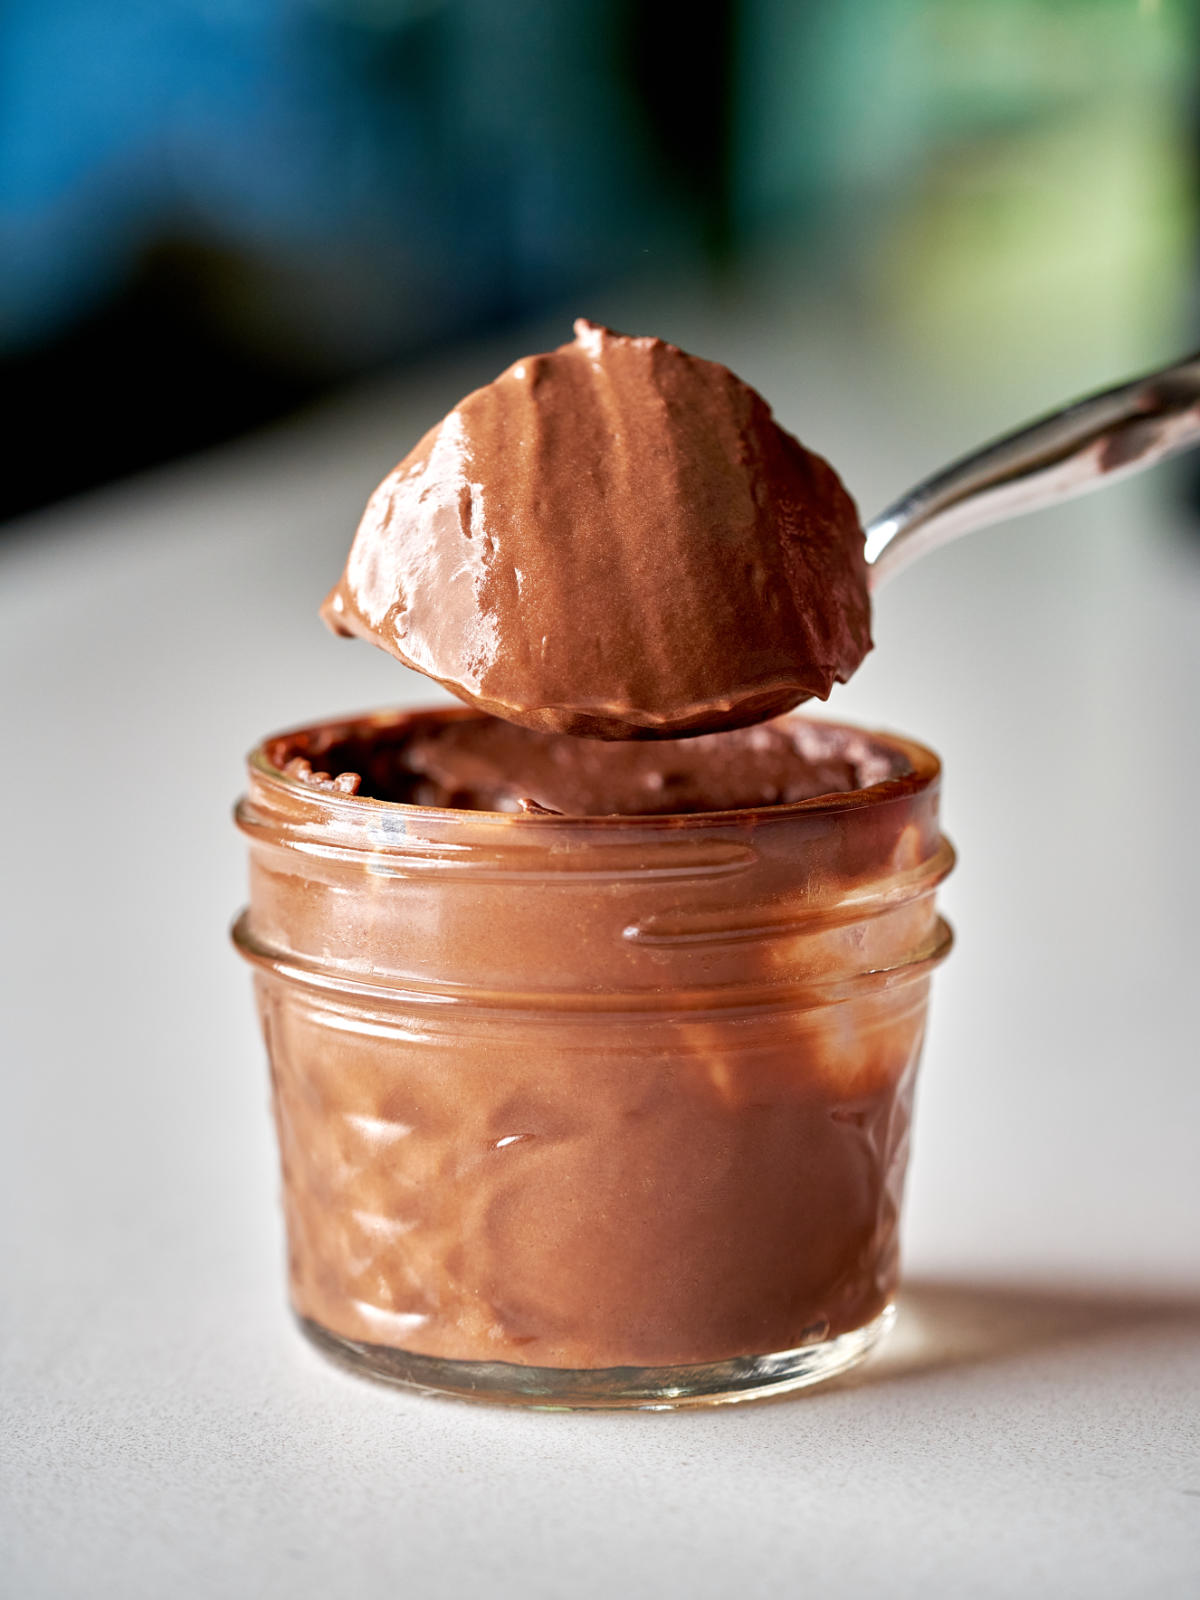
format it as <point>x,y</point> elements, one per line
<point>593,1111</point>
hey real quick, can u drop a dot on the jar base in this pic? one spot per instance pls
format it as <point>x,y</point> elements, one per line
<point>606,1388</point>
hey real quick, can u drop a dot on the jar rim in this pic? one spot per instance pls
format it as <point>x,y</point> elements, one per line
<point>924,770</point>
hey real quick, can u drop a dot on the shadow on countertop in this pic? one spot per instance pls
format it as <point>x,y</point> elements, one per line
<point>944,1326</point>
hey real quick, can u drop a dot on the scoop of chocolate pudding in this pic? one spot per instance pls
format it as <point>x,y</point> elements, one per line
<point>479,763</point>
<point>613,539</point>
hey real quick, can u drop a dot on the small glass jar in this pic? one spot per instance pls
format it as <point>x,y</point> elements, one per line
<point>592,1111</point>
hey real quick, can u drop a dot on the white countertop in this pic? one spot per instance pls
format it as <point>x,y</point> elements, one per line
<point>1033,1427</point>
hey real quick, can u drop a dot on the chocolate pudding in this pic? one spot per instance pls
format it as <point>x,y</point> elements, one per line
<point>565,1090</point>
<point>613,539</point>
<point>479,763</point>
<point>593,1058</point>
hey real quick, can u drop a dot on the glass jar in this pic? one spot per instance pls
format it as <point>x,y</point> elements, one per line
<point>592,1111</point>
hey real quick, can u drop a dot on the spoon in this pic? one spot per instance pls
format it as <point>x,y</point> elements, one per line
<point>1067,453</point>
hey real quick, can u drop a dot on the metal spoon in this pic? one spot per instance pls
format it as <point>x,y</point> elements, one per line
<point>1087,444</point>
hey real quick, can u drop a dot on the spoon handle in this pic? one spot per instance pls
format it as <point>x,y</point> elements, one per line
<point>1092,442</point>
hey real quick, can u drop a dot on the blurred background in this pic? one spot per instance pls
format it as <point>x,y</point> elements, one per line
<point>214,212</point>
